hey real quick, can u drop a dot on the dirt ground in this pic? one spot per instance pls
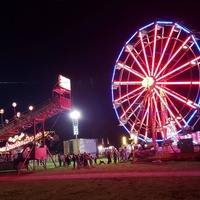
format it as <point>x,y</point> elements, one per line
<point>102,175</point>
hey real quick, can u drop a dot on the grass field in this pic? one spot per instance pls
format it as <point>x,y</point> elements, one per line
<point>150,188</point>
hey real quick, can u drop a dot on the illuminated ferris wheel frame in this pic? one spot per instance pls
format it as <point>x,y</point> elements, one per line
<point>156,81</point>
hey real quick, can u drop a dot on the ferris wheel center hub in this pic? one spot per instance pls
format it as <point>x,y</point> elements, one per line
<point>148,82</point>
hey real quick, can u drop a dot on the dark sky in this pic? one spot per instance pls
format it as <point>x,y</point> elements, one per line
<point>80,40</point>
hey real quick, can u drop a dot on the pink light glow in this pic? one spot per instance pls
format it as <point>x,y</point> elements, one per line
<point>154,49</point>
<point>128,94</point>
<point>175,108</point>
<point>180,98</point>
<point>144,116</point>
<point>127,47</point>
<point>158,116</point>
<point>145,56</point>
<point>178,68</point>
<point>159,80</point>
<point>131,70</point>
<point>147,119</point>
<point>133,126</point>
<point>163,53</point>
<point>168,108</point>
<point>164,67</point>
<point>127,82</point>
<point>179,83</point>
<point>132,104</point>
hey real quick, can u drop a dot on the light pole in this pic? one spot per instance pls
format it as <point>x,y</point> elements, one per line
<point>30,110</point>
<point>75,115</point>
<point>14,104</point>
<point>2,112</point>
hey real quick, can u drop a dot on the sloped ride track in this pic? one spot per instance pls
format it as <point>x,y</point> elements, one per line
<point>30,118</point>
<point>58,103</point>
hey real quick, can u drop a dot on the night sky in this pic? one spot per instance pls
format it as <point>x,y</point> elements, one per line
<point>80,40</point>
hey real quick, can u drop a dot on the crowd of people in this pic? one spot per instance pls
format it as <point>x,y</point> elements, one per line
<point>77,160</point>
<point>87,160</point>
<point>120,155</point>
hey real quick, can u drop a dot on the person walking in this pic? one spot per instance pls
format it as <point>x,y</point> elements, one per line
<point>115,155</point>
<point>74,160</point>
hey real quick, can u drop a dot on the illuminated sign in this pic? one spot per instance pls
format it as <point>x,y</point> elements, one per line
<point>23,139</point>
<point>16,138</point>
<point>64,82</point>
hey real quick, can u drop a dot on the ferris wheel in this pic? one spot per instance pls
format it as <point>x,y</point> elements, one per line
<point>156,81</point>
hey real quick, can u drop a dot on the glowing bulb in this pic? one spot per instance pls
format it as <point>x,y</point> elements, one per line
<point>148,82</point>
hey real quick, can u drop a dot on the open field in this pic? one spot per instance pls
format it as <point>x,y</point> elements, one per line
<point>165,180</point>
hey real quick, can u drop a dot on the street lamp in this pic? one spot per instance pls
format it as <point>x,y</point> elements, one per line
<point>18,114</point>
<point>14,104</point>
<point>2,112</point>
<point>75,115</point>
<point>30,108</point>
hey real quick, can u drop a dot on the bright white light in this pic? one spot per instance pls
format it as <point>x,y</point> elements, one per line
<point>193,63</point>
<point>124,140</point>
<point>100,148</point>
<point>30,108</point>
<point>14,104</point>
<point>18,114</point>
<point>147,82</point>
<point>64,82</point>
<point>75,115</point>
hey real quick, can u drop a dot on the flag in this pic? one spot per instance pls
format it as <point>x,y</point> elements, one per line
<point>108,141</point>
<point>102,141</point>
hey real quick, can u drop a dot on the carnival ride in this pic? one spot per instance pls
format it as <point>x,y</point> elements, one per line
<point>13,131</point>
<point>156,84</point>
